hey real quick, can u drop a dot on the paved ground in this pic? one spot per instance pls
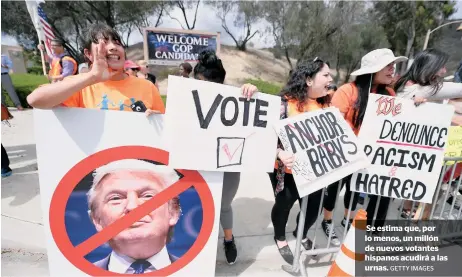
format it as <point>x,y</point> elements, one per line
<point>24,246</point>
<point>23,240</point>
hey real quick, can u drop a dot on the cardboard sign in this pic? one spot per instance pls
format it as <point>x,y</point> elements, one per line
<point>405,145</point>
<point>210,126</point>
<point>454,144</point>
<point>90,218</point>
<point>325,148</point>
<point>173,47</point>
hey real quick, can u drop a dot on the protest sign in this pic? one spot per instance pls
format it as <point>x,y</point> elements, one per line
<point>405,145</point>
<point>91,219</point>
<point>454,144</point>
<point>173,47</point>
<point>210,126</point>
<point>325,148</point>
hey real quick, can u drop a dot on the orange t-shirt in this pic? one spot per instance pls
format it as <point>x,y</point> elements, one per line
<point>292,110</point>
<point>344,99</point>
<point>117,95</point>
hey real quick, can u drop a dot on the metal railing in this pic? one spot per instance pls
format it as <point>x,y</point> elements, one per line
<point>438,210</point>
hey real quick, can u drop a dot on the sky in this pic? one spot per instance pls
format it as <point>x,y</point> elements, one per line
<point>209,22</point>
<point>206,21</point>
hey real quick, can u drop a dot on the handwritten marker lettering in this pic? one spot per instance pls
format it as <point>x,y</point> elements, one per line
<point>226,149</point>
<point>387,105</point>
<point>231,102</point>
<point>392,172</point>
<point>324,141</point>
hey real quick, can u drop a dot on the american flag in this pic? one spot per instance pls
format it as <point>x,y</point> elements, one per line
<point>47,30</point>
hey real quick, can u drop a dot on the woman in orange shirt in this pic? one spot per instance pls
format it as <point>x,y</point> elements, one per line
<point>307,90</point>
<point>106,86</point>
<point>375,76</point>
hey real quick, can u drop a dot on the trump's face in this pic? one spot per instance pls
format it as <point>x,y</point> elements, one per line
<point>119,193</point>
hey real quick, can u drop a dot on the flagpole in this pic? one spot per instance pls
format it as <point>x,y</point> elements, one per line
<point>43,61</point>
<point>33,12</point>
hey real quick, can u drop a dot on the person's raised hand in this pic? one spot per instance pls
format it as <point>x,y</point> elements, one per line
<point>100,68</point>
<point>287,158</point>
<point>419,100</point>
<point>40,47</point>
<point>148,112</point>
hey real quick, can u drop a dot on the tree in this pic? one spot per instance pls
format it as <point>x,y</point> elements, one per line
<point>361,39</point>
<point>137,19</point>
<point>358,35</point>
<point>183,6</point>
<point>247,14</point>
<point>407,22</point>
<point>69,19</point>
<point>16,22</point>
<point>316,24</point>
<point>279,15</point>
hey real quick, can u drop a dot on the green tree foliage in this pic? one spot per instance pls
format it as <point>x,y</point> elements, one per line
<point>247,14</point>
<point>406,22</point>
<point>358,35</point>
<point>69,19</point>
<point>280,16</point>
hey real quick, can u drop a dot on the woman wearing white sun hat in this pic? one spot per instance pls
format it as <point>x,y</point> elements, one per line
<point>375,76</point>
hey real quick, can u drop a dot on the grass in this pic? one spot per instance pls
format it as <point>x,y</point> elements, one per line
<point>163,74</point>
<point>24,84</point>
<point>265,87</point>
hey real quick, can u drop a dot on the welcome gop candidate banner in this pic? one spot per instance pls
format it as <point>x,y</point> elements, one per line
<point>325,148</point>
<point>112,206</point>
<point>173,47</point>
<point>405,145</point>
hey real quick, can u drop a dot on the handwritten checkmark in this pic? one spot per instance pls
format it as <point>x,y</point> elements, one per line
<point>225,148</point>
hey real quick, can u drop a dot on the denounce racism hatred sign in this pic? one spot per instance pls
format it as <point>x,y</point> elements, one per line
<point>405,145</point>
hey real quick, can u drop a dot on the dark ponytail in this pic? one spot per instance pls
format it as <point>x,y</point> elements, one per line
<point>210,67</point>
<point>363,83</point>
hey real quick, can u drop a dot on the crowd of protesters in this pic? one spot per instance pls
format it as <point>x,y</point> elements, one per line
<point>308,89</point>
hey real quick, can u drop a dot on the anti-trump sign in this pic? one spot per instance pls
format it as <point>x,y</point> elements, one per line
<point>173,47</point>
<point>325,148</point>
<point>405,145</point>
<point>112,205</point>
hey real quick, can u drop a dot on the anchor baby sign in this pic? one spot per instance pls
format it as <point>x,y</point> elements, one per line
<point>325,148</point>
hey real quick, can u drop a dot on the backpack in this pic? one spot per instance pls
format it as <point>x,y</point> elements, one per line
<point>6,115</point>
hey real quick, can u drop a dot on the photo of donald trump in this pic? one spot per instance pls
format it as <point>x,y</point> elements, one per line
<point>120,187</point>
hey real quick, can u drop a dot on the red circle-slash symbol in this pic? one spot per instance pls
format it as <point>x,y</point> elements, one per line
<point>76,255</point>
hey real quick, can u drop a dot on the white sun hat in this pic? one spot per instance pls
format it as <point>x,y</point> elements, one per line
<point>376,60</point>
